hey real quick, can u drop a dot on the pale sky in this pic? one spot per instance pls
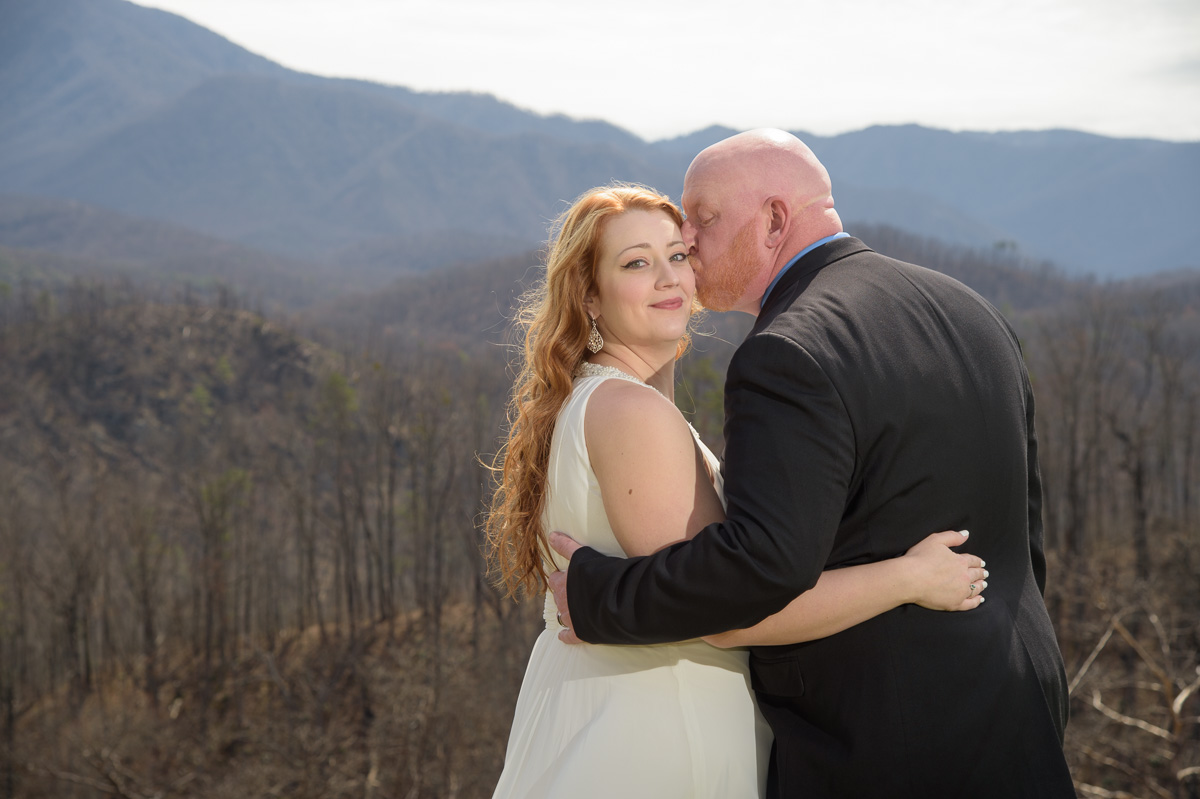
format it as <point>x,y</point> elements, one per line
<point>661,68</point>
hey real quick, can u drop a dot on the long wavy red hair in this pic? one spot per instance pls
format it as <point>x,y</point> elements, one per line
<point>555,330</point>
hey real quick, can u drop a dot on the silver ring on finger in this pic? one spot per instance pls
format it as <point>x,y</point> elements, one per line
<point>565,627</point>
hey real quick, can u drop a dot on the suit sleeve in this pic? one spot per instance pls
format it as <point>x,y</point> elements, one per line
<point>789,460</point>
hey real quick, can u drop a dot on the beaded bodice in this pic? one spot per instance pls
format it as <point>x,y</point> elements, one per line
<point>589,369</point>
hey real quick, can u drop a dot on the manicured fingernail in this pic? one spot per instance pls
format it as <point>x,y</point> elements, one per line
<point>964,533</point>
<point>986,574</point>
<point>982,563</point>
<point>982,599</point>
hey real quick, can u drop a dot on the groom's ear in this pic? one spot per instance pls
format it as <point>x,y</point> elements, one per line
<point>777,220</point>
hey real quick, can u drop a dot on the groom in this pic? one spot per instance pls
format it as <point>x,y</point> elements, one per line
<point>872,402</point>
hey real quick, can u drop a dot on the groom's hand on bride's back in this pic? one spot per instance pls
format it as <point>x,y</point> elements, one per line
<point>564,545</point>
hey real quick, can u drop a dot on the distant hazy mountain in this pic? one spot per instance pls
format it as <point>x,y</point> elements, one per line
<point>199,132</point>
<point>312,167</point>
<point>144,113</point>
<point>73,70</point>
<point>51,240</point>
<point>1091,203</point>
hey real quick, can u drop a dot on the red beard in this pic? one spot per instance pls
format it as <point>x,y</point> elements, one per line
<point>722,285</point>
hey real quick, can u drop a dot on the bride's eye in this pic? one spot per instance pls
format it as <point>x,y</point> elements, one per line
<point>679,256</point>
<point>636,263</point>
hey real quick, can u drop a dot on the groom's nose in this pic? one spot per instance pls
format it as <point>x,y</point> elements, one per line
<point>688,229</point>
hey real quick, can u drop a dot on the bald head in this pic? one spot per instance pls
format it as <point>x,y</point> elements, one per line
<point>760,164</point>
<point>753,201</point>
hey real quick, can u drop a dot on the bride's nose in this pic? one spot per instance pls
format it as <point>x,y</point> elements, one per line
<point>668,275</point>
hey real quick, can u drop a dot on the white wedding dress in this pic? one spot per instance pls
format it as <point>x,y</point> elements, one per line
<point>598,721</point>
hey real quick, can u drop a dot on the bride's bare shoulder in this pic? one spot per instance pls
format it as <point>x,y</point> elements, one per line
<point>628,409</point>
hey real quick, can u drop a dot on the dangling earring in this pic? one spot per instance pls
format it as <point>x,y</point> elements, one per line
<point>595,341</point>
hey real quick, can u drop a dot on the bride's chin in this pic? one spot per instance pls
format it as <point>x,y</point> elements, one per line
<point>672,336</point>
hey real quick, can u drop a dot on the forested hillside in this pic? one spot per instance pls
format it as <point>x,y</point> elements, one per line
<point>242,553</point>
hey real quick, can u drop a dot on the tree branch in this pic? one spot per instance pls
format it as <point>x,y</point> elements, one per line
<point>1177,705</point>
<point>1151,663</point>
<point>1129,720</point>
<point>1087,664</point>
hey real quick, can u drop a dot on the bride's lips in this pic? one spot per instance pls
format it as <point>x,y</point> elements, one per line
<point>669,305</point>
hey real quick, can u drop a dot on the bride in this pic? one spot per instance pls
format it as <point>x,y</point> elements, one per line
<point>597,448</point>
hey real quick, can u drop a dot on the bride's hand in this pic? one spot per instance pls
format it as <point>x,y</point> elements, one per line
<point>564,545</point>
<point>945,579</point>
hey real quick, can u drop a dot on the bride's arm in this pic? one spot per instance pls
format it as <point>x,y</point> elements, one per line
<point>655,487</point>
<point>930,574</point>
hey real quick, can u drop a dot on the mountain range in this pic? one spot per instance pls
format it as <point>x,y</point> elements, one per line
<point>143,114</point>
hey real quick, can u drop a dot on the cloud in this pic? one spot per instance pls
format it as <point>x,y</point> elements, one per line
<point>1186,70</point>
<point>662,68</point>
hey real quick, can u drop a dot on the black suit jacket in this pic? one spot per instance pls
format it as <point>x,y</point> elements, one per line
<point>874,402</point>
